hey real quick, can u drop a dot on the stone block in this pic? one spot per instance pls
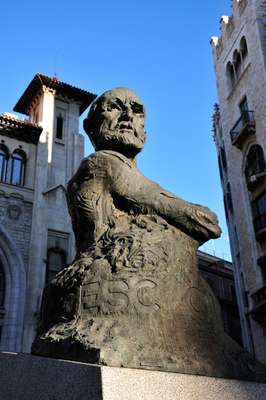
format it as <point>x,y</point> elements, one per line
<point>27,377</point>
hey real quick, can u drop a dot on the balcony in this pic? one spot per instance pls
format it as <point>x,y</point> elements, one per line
<point>260,226</point>
<point>243,128</point>
<point>259,304</point>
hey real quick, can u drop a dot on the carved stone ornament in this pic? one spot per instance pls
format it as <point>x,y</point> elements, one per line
<point>133,296</point>
<point>14,211</point>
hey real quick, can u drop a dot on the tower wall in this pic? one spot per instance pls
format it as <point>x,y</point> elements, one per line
<point>239,124</point>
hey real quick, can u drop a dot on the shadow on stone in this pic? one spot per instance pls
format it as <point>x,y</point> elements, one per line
<point>26,377</point>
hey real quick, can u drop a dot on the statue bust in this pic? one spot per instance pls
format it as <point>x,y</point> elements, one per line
<point>133,295</point>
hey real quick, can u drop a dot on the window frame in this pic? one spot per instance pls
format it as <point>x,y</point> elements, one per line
<point>2,286</point>
<point>17,155</point>
<point>255,161</point>
<point>4,163</point>
<point>51,273</point>
<point>60,118</point>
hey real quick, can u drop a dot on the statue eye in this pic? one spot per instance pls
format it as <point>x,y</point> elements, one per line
<point>137,108</point>
<point>113,106</point>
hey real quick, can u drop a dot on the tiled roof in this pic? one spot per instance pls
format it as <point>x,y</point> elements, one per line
<point>215,264</point>
<point>19,129</point>
<point>64,89</point>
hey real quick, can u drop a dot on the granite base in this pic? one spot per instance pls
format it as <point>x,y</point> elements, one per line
<point>27,377</point>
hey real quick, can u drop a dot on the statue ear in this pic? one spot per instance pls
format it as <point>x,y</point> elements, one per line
<point>88,128</point>
<point>86,125</point>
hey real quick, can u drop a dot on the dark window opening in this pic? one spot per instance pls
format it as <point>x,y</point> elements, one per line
<point>229,198</point>
<point>57,245</point>
<point>56,260</point>
<point>255,163</point>
<point>259,205</point>
<point>243,105</point>
<point>220,167</point>
<point>225,208</point>
<point>237,63</point>
<point>259,212</point>
<point>2,286</point>
<point>233,293</point>
<point>59,127</point>
<point>223,158</point>
<point>3,162</point>
<point>246,298</point>
<point>230,75</point>
<point>243,47</point>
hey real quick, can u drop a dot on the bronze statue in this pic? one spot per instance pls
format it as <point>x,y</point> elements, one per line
<point>133,296</point>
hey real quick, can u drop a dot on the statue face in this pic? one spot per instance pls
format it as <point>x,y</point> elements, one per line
<point>116,122</point>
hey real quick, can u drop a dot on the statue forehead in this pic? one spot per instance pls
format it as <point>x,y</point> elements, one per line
<point>122,94</point>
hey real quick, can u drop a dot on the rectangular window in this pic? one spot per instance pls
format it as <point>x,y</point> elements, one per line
<point>243,105</point>
<point>17,172</point>
<point>57,253</point>
<point>223,158</point>
<point>229,200</point>
<point>259,206</point>
<point>59,127</point>
<point>233,293</point>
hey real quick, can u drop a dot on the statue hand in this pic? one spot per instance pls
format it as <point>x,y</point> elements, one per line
<point>205,223</point>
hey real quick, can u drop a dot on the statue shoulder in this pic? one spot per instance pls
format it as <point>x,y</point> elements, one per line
<point>113,157</point>
<point>103,157</point>
<point>106,162</point>
<point>101,164</point>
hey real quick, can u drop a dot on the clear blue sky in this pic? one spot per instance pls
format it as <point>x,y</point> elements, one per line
<point>160,49</point>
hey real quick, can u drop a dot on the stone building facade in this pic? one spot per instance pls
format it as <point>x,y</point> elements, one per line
<point>37,158</point>
<point>219,274</point>
<point>239,56</point>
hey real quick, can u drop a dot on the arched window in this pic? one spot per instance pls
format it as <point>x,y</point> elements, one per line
<point>237,63</point>
<point>243,47</point>
<point>230,75</point>
<point>3,162</point>
<point>229,200</point>
<point>255,162</point>
<point>17,171</point>
<point>2,286</point>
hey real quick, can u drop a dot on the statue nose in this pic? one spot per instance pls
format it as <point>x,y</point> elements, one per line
<point>127,115</point>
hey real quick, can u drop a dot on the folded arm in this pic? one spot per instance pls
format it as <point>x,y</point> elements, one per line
<point>134,190</point>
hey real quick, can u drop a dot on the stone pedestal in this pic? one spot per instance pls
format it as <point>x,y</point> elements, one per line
<point>27,377</point>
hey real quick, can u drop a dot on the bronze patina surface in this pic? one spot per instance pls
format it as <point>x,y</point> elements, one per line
<point>133,296</point>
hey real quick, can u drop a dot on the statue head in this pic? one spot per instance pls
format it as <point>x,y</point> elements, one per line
<point>116,122</point>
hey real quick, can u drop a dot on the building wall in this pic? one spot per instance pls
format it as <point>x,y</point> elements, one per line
<point>219,274</point>
<point>57,162</point>
<point>34,218</point>
<point>16,205</point>
<point>247,21</point>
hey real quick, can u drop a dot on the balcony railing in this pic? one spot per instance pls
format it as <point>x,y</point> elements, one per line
<point>259,303</point>
<point>260,226</point>
<point>244,126</point>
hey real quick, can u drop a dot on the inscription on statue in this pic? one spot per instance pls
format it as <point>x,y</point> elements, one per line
<point>116,295</point>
